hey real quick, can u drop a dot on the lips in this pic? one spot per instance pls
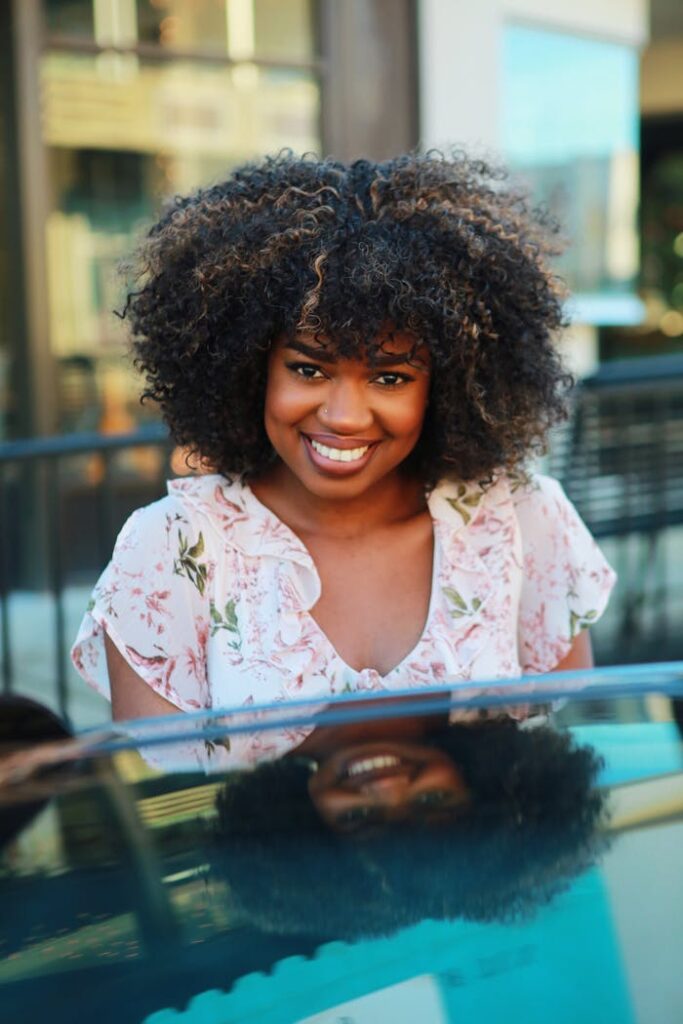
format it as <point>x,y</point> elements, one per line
<point>361,770</point>
<point>342,443</point>
<point>338,456</point>
<point>362,765</point>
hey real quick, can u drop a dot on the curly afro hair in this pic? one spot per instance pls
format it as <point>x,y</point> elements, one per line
<point>534,824</point>
<point>442,249</point>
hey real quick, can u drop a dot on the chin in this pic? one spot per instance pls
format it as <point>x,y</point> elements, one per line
<point>341,489</point>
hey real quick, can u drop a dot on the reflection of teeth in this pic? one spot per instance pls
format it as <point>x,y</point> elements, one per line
<point>371,764</point>
<point>340,454</point>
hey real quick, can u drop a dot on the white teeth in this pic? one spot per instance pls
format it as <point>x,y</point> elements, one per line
<point>339,454</point>
<point>371,764</point>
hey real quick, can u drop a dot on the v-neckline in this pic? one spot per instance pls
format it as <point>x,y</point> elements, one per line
<point>410,655</point>
<point>368,670</point>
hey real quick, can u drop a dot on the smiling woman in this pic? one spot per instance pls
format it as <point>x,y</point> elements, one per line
<point>353,421</point>
<point>494,821</point>
<point>378,783</point>
<point>363,354</point>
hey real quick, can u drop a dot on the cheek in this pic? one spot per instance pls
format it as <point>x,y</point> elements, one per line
<point>285,402</point>
<point>319,796</point>
<point>409,418</point>
<point>446,776</point>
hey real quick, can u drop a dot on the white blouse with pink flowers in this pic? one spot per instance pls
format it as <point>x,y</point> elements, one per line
<point>208,597</point>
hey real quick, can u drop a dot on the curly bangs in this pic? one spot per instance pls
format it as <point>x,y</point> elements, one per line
<point>535,824</point>
<point>442,249</point>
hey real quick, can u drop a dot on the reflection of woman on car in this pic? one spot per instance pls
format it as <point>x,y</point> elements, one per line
<point>363,357</point>
<point>479,821</point>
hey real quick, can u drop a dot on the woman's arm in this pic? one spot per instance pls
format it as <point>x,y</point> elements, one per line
<point>580,655</point>
<point>131,697</point>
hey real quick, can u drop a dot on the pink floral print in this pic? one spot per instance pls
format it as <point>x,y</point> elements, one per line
<point>208,597</point>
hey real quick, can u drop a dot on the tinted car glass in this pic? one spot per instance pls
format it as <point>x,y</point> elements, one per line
<point>409,859</point>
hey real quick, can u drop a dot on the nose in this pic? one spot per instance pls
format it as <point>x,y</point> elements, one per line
<point>391,792</point>
<point>346,409</point>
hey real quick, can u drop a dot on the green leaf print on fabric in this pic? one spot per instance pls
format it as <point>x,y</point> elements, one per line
<point>465,501</point>
<point>186,563</point>
<point>460,608</point>
<point>210,746</point>
<point>227,621</point>
<point>169,523</point>
<point>577,621</point>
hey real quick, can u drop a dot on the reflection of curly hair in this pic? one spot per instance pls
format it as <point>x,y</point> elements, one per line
<point>432,246</point>
<point>533,825</point>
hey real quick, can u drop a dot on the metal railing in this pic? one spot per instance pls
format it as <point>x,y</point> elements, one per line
<point>64,499</point>
<point>620,460</point>
<point>66,496</point>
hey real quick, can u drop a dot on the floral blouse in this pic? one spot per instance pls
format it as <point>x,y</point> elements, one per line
<point>208,597</point>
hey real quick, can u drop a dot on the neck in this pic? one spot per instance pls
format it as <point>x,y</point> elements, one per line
<point>392,500</point>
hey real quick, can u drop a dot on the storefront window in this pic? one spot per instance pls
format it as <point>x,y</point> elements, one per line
<point>124,128</point>
<point>570,129</point>
<point>71,17</point>
<point>663,238</point>
<point>238,28</point>
<point>183,25</point>
<point>276,29</point>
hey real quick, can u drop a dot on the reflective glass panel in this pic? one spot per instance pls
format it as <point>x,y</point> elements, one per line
<point>286,30</point>
<point>122,134</point>
<point>241,29</point>
<point>70,17</point>
<point>183,24</point>
<point>433,858</point>
<point>570,128</point>
<point>663,240</point>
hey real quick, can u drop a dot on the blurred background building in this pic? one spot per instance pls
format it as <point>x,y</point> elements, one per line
<point>109,106</point>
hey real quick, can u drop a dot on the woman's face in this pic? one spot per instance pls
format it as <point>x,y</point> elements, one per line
<point>370,784</point>
<point>340,426</point>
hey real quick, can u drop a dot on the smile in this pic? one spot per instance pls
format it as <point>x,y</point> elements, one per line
<point>349,456</point>
<point>339,454</point>
<point>372,764</point>
<point>363,770</point>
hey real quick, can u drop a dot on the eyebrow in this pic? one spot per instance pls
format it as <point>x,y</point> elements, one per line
<point>324,355</point>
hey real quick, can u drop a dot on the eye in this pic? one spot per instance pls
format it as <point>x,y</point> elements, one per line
<point>433,798</point>
<point>356,816</point>
<point>392,380</point>
<point>309,371</point>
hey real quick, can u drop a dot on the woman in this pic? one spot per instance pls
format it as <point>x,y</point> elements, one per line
<point>485,822</point>
<point>363,357</point>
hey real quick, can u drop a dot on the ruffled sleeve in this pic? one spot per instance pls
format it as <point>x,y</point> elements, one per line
<point>566,580</point>
<point>153,600</point>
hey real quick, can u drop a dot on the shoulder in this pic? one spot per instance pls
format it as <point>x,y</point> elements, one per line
<point>149,523</point>
<point>536,503</point>
<point>211,495</point>
<point>538,499</point>
<point>554,534</point>
<point>533,489</point>
<point>459,503</point>
<point>470,503</point>
<point>210,503</point>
